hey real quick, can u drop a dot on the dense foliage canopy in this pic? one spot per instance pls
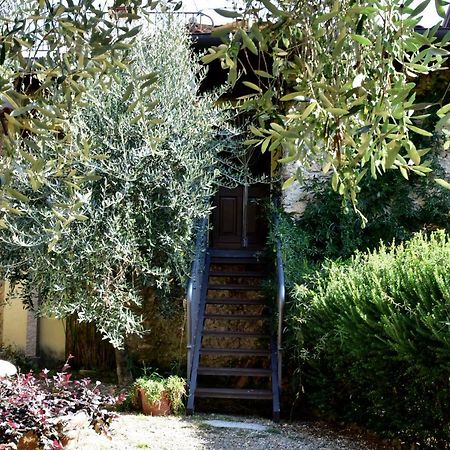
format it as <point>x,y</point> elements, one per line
<point>138,156</point>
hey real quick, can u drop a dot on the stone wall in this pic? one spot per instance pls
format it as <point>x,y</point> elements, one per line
<point>444,161</point>
<point>296,197</point>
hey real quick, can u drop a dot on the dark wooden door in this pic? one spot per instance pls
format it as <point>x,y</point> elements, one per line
<point>239,218</point>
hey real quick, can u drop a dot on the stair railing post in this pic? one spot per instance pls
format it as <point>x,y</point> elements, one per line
<point>193,291</point>
<point>280,303</point>
<point>281,296</point>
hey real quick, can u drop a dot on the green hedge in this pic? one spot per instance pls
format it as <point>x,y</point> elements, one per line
<point>372,339</point>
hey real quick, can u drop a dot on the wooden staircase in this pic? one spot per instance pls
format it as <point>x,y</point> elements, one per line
<point>234,355</point>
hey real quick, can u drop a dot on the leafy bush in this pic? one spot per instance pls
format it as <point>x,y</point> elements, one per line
<point>42,405</point>
<point>371,336</point>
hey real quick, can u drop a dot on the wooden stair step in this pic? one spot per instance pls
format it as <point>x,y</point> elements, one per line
<point>234,334</point>
<point>235,371</point>
<point>233,287</point>
<point>255,394</point>
<point>223,253</point>
<point>244,261</point>
<point>235,351</point>
<point>235,301</point>
<point>236,273</point>
<point>234,317</point>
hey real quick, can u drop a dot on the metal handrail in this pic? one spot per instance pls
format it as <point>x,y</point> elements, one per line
<point>193,289</point>
<point>281,299</point>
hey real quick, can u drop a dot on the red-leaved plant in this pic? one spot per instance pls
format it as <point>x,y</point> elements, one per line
<point>39,406</point>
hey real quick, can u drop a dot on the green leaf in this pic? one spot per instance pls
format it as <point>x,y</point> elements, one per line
<point>265,144</point>
<point>327,16</point>
<point>335,181</point>
<point>287,159</point>
<point>419,130</point>
<point>443,111</point>
<point>361,39</point>
<point>263,74</point>
<point>17,195</point>
<point>288,182</point>
<point>420,8</point>
<point>337,111</point>
<point>7,96</point>
<point>127,92</point>
<point>256,33</point>
<point>210,57</point>
<point>130,34</point>
<point>291,96</point>
<point>81,217</point>
<point>404,172</point>
<point>252,86</point>
<point>271,7</point>
<point>248,42</point>
<point>413,154</point>
<point>227,13</point>
<point>277,127</point>
<point>362,10</point>
<point>255,131</point>
<point>440,8</point>
<point>438,51</point>
<point>392,153</point>
<point>442,183</point>
<point>308,110</point>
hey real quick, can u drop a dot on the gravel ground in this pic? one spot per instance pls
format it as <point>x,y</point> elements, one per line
<point>133,431</point>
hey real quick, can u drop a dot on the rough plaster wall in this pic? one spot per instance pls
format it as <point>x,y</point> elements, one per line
<point>15,324</point>
<point>31,344</point>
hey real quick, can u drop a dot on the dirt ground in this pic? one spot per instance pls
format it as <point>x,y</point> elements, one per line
<point>136,431</point>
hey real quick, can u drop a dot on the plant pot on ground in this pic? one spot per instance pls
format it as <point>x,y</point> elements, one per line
<point>159,396</point>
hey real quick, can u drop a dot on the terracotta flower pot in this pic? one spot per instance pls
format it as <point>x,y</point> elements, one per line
<point>159,408</point>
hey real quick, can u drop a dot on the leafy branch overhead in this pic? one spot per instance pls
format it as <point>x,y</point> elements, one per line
<point>49,53</point>
<point>332,84</point>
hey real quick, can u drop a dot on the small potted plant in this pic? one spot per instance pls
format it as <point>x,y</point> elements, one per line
<point>159,396</point>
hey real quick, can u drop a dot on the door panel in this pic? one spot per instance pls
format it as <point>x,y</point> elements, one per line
<point>228,213</point>
<point>236,225</point>
<point>227,218</point>
<point>256,215</point>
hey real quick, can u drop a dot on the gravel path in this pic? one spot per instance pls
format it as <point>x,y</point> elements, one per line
<point>132,431</point>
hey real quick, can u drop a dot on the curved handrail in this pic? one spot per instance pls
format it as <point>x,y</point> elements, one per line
<point>281,299</point>
<point>193,289</point>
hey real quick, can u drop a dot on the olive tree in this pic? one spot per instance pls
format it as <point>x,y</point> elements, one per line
<point>331,83</point>
<point>142,154</point>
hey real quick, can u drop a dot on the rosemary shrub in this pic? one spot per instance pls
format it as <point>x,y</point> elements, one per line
<point>371,337</point>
